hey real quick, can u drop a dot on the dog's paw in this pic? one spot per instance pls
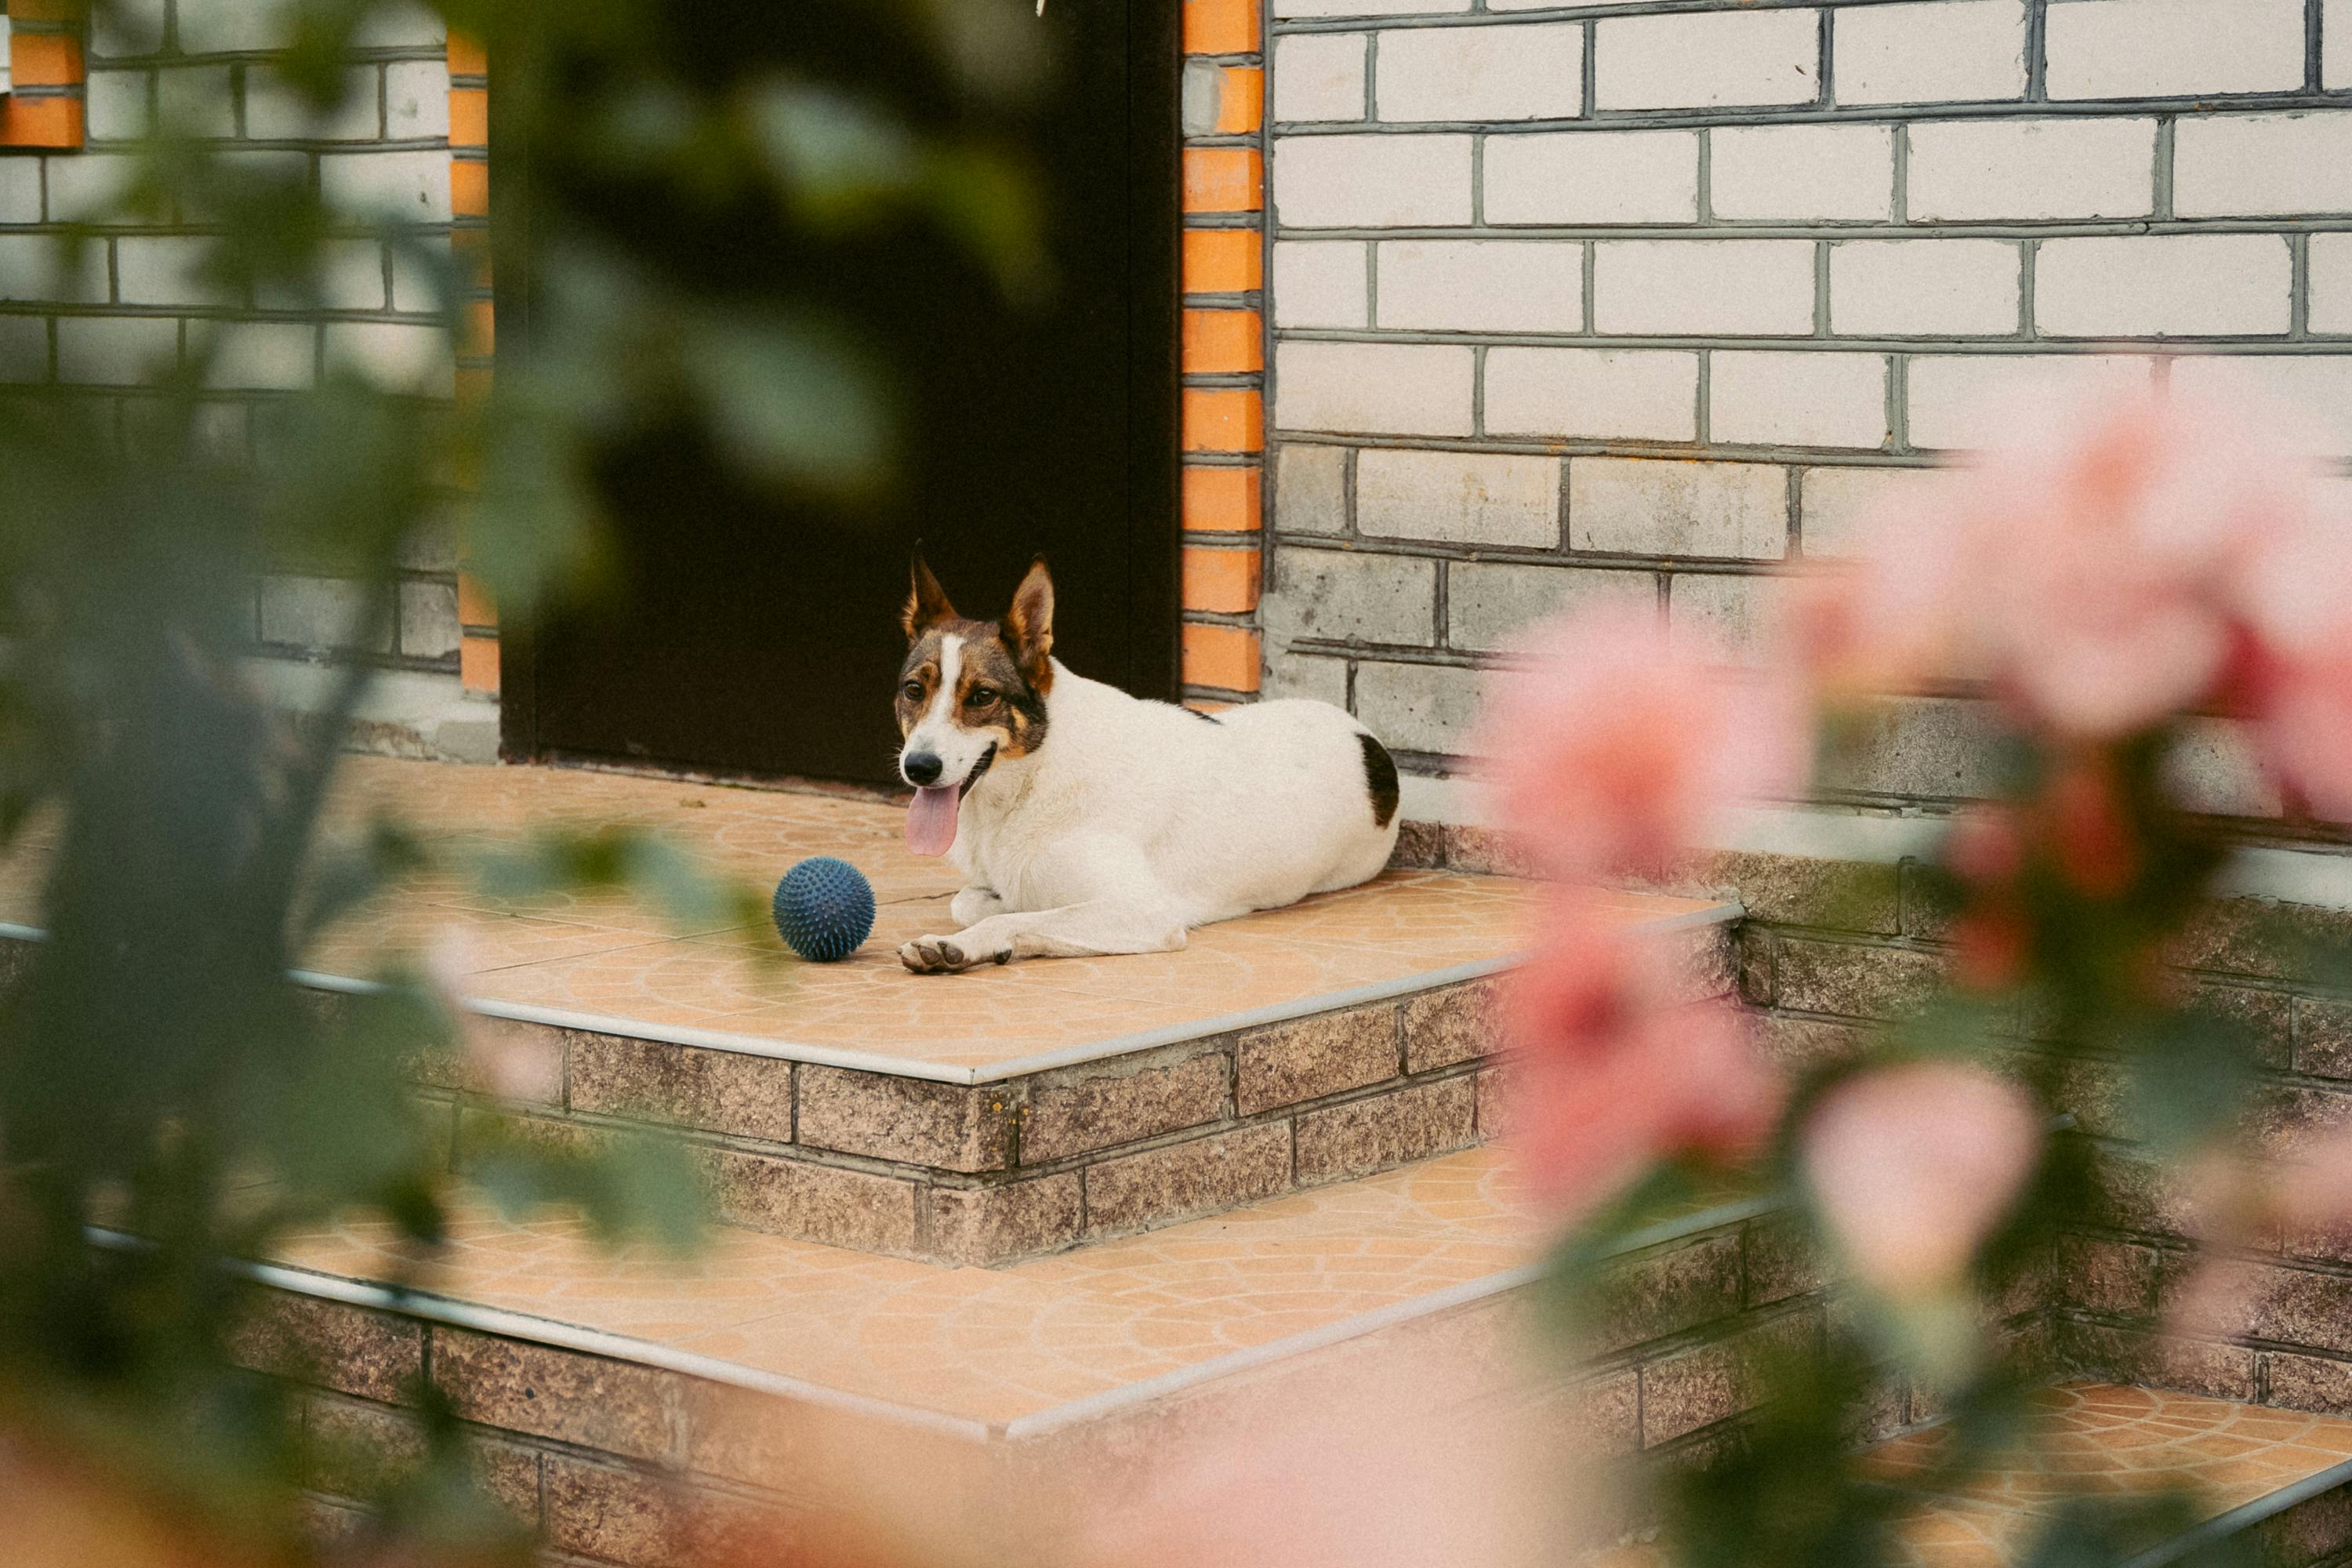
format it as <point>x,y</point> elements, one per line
<point>945,956</point>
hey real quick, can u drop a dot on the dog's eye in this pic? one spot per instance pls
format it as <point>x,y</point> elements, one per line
<point>980,696</point>
<point>912,691</point>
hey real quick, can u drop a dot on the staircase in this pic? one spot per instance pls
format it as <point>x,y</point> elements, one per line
<point>1001,1243</point>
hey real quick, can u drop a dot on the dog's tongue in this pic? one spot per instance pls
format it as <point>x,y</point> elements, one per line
<point>931,820</point>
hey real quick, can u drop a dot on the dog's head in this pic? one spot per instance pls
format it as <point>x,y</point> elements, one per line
<point>971,692</point>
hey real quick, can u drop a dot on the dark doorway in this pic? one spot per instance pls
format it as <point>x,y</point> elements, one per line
<point>754,636</point>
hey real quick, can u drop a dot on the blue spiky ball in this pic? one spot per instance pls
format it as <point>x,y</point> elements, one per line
<point>824,909</point>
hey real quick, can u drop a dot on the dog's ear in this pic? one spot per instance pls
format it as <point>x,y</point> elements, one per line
<point>927,602</point>
<point>1029,625</point>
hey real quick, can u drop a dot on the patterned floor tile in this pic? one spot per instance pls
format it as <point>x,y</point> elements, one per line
<point>989,1345</point>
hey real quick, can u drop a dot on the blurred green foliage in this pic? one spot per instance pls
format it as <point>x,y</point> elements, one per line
<point>163,1088</point>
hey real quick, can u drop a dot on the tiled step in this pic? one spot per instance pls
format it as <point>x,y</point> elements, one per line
<point>774,1380</point>
<point>2263,1486</point>
<point>629,1404</point>
<point>974,1118</point>
<point>2272,1479</point>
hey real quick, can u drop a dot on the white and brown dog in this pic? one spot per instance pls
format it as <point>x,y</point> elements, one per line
<point>1086,821</point>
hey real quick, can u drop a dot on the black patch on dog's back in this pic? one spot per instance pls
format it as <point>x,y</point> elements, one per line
<point>1380,778</point>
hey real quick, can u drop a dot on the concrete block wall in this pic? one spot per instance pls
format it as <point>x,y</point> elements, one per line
<point>1654,300</point>
<point>135,304</point>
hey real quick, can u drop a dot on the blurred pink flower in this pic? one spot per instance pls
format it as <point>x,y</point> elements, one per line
<point>1612,750</point>
<point>1613,1071</point>
<point>2101,574</point>
<point>1913,1166</point>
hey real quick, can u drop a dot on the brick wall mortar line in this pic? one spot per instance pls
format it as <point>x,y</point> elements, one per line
<point>1599,120</point>
<point>2271,343</point>
<point>1824,73</point>
<point>2298,247</point>
<point>1816,457</point>
<point>2037,51</point>
<point>2029,266</point>
<point>1898,402</point>
<point>1703,413</point>
<point>2161,198</point>
<point>1603,11</point>
<point>2058,228</point>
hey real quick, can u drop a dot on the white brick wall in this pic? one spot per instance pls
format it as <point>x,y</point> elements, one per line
<point>253,356</point>
<point>1642,395</point>
<point>1802,174</point>
<point>1477,285</point>
<point>1518,72</point>
<point>1797,399</point>
<point>139,299</point>
<point>395,355</point>
<point>2263,164</point>
<point>1925,288</point>
<point>1957,402</point>
<point>1707,59</point>
<point>1371,181</point>
<point>1724,619</point>
<point>1946,51</point>
<point>1594,177</point>
<point>1843,507</point>
<point>1460,497</point>
<point>2166,48</point>
<point>2314,390</point>
<point>1972,171</point>
<point>1648,507</point>
<point>276,112</point>
<point>20,190</point>
<point>1724,300</point>
<point>1489,604</point>
<point>2331,282</point>
<point>2163,286</point>
<point>1418,707</point>
<point>1734,287</point>
<point>1381,389</point>
<point>165,270</point>
<point>1319,75</point>
<point>404,187</point>
<point>1344,595</point>
<point>115,350</point>
<point>1322,283</point>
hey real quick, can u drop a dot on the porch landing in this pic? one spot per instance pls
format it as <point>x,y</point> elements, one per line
<point>608,964</point>
<point>969,1118</point>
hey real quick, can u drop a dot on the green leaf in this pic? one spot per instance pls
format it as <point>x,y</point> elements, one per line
<point>791,401</point>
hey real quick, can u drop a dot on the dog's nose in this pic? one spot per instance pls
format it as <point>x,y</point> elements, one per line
<point>921,768</point>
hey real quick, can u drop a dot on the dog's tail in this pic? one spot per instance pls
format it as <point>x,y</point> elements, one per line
<point>1380,778</point>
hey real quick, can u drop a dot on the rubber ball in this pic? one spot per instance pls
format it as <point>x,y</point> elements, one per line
<point>824,909</point>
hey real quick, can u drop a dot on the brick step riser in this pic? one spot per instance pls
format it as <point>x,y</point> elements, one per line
<point>989,1172</point>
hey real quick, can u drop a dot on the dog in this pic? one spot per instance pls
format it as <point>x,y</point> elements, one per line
<point>1089,821</point>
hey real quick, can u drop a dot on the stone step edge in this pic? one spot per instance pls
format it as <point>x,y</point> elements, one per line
<point>454,1312</point>
<point>2246,1516</point>
<point>937,1072</point>
<point>1721,913</point>
<point>2205,1533</point>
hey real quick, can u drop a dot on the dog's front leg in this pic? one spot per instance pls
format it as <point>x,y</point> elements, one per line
<point>974,905</point>
<point>1093,929</point>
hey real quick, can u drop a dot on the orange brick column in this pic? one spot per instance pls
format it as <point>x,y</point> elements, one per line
<point>43,107</point>
<point>1223,349</point>
<point>469,206</point>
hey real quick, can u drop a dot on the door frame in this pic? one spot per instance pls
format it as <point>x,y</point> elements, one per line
<point>1153,220</point>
